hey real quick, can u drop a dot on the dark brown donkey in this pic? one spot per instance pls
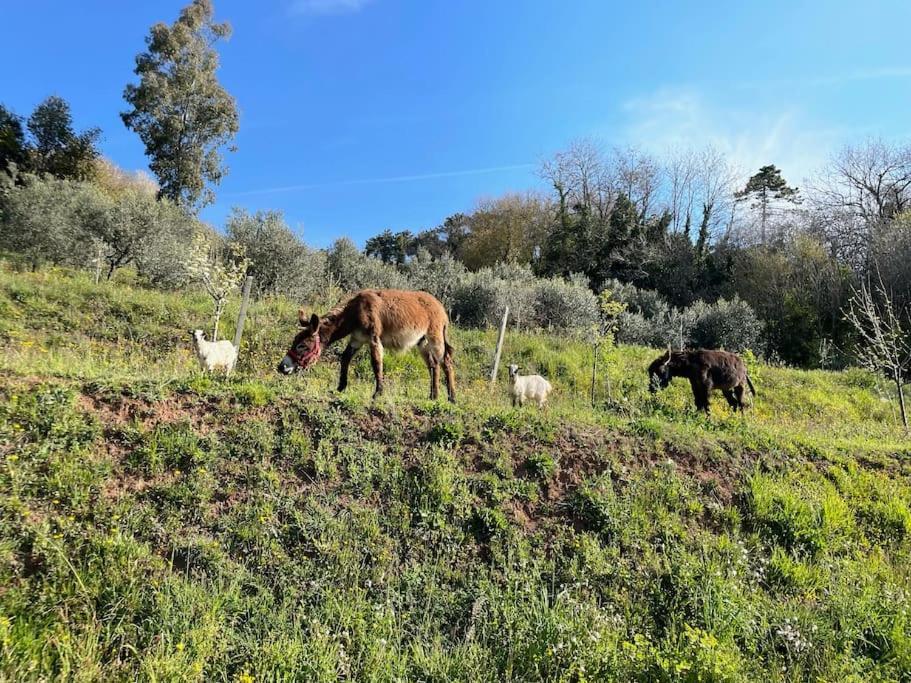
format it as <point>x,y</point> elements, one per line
<point>706,370</point>
<point>383,319</point>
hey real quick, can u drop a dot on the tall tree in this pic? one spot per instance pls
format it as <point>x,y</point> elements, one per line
<point>57,149</point>
<point>13,148</point>
<point>763,188</point>
<point>391,247</point>
<point>454,231</point>
<point>433,241</point>
<point>507,228</point>
<point>863,188</point>
<point>179,109</point>
<point>681,171</point>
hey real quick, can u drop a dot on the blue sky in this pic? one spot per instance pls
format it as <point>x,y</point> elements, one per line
<point>361,115</point>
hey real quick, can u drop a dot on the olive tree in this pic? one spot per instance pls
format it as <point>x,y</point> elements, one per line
<point>279,261</point>
<point>43,221</point>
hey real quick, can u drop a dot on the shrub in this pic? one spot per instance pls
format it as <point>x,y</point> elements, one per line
<point>650,321</point>
<point>438,276</point>
<point>279,261</point>
<point>161,258</point>
<point>351,270</point>
<point>480,298</point>
<point>564,304</point>
<point>43,221</point>
<point>646,302</point>
<point>447,433</point>
<point>541,465</point>
<point>730,325</point>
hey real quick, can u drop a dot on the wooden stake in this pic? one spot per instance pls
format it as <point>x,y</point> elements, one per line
<point>496,355</point>
<point>242,316</point>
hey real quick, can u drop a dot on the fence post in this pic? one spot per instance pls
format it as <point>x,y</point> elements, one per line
<point>496,355</point>
<point>98,257</point>
<point>242,316</point>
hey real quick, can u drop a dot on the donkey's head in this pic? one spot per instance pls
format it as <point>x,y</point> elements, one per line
<point>305,349</point>
<point>659,372</point>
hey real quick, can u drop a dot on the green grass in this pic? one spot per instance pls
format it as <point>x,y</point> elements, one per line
<point>160,524</point>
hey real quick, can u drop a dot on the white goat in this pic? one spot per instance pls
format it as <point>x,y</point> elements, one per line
<point>214,355</point>
<point>528,387</point>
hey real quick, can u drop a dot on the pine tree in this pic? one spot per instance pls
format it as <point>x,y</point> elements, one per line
<point>762,188</point>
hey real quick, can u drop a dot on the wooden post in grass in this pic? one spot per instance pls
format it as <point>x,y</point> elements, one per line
<point>98,258</point>
<point>496,355</point>
<point>242,316</point>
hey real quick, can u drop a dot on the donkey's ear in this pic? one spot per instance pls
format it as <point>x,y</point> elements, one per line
<point>302,317</point>
<point>314,322</point>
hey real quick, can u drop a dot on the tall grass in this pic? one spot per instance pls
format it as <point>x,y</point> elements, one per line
<point>160,524</point>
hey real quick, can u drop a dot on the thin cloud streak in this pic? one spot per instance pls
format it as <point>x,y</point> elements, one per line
<point>327,6</point>
<point>377,181</point>
<point>857,75</point>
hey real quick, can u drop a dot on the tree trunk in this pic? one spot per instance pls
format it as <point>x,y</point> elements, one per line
<point>242,315</point>
<point>901,401</point>
<point>594,369</point>
<point>98,259</point>
<point>219,307</point>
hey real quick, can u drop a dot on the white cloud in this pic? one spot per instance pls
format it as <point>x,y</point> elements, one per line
<point>682,117</point>
<point>327,6</point>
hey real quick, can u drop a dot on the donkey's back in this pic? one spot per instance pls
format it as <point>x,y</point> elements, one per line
<point>401,319</point>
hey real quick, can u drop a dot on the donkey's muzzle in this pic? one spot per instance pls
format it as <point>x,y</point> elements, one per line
<point>286,366</point>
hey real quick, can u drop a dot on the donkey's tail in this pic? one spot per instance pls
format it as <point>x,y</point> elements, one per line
<point>447,350</point>
<point>750,384</point>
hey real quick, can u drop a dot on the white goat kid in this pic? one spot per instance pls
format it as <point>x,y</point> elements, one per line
<point>528,387</point>
<point>220,355</point>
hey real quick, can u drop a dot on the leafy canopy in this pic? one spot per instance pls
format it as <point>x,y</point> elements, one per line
<point>179,109</point>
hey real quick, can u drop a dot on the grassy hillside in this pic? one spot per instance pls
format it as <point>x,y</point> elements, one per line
<point>161,524</point>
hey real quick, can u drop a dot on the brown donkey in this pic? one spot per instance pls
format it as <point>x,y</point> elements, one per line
<point>706,370</point>
<point>383,319</point>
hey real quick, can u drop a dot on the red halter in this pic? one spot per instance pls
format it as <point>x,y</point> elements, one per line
<point>308,358</point>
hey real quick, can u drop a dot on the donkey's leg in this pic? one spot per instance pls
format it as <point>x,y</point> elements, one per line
<point>448,370</point>
<point>347,355</point>
<point>376,359</point>
<point>738,394</point>
<point>700,395</point>
<point>433,365</point>
<point>705,401</point>
<point>729,396</point>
